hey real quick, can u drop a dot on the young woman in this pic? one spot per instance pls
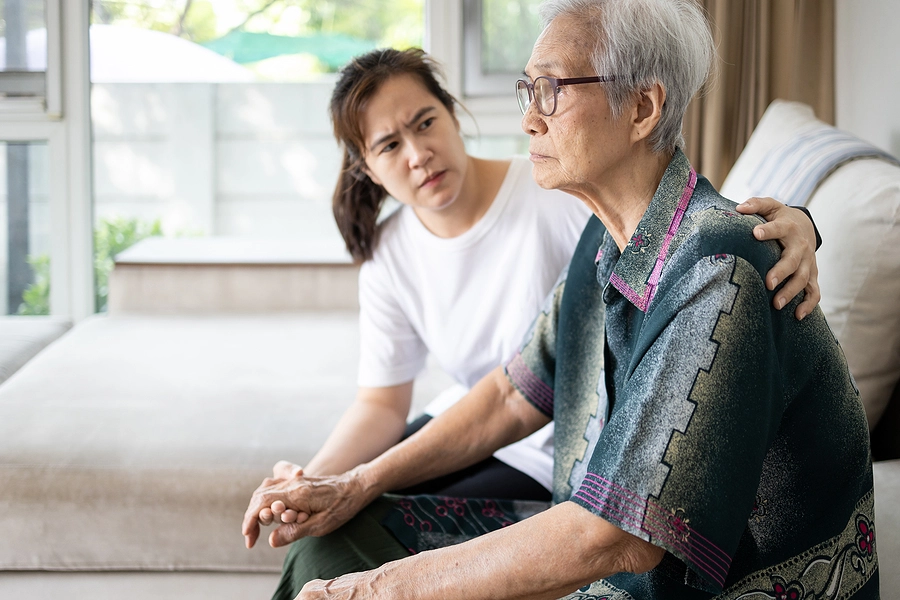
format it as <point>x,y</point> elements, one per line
<point>461,269</point>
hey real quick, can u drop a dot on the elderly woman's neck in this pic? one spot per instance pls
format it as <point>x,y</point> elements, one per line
<point>621,200</point>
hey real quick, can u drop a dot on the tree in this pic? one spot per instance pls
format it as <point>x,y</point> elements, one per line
<point>386,22</point>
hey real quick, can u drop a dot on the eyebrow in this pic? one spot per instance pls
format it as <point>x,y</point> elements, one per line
<point>419,114</point>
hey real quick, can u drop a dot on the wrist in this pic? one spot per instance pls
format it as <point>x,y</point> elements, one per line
<point>365,477</point>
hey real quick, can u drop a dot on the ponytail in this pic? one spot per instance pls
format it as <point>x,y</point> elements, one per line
<point>356,203</point>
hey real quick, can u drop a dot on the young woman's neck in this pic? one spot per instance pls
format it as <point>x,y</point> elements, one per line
<point>482,182</point>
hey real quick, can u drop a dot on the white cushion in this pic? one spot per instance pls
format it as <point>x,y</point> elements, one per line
<point>134,443</point>
<point>856,209</point>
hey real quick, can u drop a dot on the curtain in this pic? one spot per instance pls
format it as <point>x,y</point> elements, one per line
<point>768,49</point>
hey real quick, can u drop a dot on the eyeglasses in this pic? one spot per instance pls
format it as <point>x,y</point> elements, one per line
<point>544,90</point>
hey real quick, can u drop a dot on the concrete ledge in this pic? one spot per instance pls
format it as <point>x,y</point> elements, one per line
<point>161,275</point>
<point>173,288</point>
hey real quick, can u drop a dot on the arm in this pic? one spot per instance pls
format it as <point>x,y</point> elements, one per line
<point>372,424</point>
<point>491,416</point>
<point>796,232</point>
<point>546,556</point>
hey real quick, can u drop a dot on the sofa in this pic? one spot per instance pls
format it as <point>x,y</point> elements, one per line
<point>129,445</point>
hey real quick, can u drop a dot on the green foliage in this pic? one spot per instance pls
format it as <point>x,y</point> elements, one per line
<point>112,236</point>
<point>36,297</point>
<point>398,23</point>
<point>510,28</point>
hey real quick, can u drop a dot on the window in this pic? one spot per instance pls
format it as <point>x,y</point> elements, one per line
<point>499,35</point>
<point>134,172</point>
<point>210,119</point>
<point>30,56</point>
<point>24,228</point>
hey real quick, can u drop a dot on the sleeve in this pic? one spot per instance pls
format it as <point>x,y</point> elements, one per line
<point>531,369</point>
<point>680,459</point>
<point>390,350</point>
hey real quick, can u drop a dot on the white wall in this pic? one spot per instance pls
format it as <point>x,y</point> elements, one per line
<point>227,159</point>
<point>867,70</point>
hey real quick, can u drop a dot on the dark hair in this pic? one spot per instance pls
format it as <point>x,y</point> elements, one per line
<point>357,199</point>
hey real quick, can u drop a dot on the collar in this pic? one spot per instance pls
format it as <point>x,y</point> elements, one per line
<point>639,267</point>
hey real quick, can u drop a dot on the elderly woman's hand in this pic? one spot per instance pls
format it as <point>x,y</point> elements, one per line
<point>305,505</point>
<point>797,267</point>
<point>345,587</point>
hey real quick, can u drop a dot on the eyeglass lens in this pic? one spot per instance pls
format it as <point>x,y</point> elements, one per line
<point>541,91</point>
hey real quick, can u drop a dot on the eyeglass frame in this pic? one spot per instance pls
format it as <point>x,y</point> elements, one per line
<point>555,84</point>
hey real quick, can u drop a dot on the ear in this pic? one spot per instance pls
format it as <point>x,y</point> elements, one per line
<point>365,169</point>
<point>456,122</point>
<point>647,111</point>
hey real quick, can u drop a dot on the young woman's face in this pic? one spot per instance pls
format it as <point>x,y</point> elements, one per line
<point>412,145</point>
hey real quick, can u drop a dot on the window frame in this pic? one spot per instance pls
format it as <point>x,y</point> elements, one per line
<point>67,135</point>
<point>445,31</point>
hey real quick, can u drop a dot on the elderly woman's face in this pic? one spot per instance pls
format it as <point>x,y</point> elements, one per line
<point>578,145</point>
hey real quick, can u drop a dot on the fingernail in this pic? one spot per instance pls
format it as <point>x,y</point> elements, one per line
<point>801,316</point>
<point>774,282</point>
<point>779,304</point>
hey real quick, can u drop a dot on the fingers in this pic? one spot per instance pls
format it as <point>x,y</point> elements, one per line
<point>792,287</point>
<point>280,512</point>
<point>258,510</point>
<point>288,533</point>
<point>765,207</point>
<point>284,469</point>
<point>774,230</point>
<point>811,299</point>
<point>251,534</point>
<point>790,265</point>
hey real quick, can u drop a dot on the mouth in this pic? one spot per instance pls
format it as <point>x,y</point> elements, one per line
<point>537,157</point>
<point>433,179</point>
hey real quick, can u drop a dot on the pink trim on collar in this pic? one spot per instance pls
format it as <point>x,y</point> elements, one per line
<point>642,301</point>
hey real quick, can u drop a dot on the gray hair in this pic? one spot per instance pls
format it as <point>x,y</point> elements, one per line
<point>643,42</point>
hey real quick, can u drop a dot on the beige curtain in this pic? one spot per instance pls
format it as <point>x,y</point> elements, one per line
<point>767,49</point>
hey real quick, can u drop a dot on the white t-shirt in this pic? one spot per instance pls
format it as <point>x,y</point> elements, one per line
<point>467,300</point>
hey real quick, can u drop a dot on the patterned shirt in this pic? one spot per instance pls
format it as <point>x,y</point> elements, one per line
<point>691,414</point>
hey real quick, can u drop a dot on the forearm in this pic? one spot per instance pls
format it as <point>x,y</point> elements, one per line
<point>491,416</point>
<point>547,556</point>
<point>372,424</point>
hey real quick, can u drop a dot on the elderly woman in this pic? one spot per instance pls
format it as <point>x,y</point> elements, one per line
<point>679,471</point>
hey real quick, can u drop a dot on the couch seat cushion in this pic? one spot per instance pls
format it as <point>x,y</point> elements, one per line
<point>135,442</point>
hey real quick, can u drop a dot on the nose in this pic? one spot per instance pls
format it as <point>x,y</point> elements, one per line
<point>533,122</point>
<point>419,153</point>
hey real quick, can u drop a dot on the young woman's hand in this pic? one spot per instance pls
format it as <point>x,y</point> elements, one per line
<point>794,230</point>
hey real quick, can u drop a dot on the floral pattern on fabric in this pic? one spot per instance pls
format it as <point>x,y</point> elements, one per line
<point>428,522</point>
<point>832,570</point>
